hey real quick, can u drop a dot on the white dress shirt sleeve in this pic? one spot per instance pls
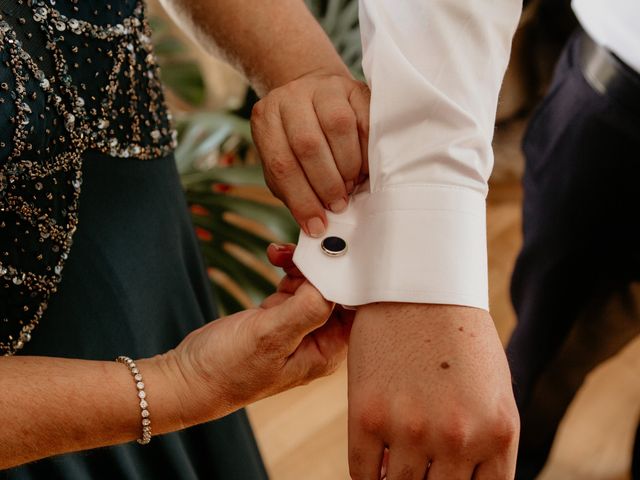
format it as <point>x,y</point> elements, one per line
<point>416,232</point>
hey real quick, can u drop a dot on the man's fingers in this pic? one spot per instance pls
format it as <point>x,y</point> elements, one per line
<point>283,173</point>
<point>497,469</point>
<point>500,466</point>
<point>449,469</point>
<point>338,122</point>
<point>494,470</point>
<point>406,463</point>
<point>309,145</point>
<point>359,100</point>
<point>366,452</point>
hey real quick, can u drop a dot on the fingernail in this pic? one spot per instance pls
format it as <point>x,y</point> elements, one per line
<point>315,227</point>
<point>281,247</point>
<point>349,186</point>
<point>338,206</point>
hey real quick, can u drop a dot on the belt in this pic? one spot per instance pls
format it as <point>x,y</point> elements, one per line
<point>609,75</point>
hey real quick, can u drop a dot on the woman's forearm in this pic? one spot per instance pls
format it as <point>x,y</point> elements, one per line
<point>50,406</point>
<point>271,41</point>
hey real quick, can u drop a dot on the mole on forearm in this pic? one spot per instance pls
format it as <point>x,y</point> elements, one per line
<point>444,365</point>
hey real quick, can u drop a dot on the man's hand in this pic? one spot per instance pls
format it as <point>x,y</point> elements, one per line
<point>312,135</point>
<point>431,384</point>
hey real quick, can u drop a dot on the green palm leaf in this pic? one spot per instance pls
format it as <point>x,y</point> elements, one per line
<point>234,228</point>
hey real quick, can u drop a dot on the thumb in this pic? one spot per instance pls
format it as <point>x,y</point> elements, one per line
<point>302,313</point>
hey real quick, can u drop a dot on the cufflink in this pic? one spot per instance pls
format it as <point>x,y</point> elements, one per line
<point>334,246</point>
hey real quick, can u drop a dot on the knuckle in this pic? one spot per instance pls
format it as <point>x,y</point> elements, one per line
<point>334,190</point>
<point>340,122</point>
<point>258,120</point>
<point>306,145</point>
<point>257,112</point>
<point>363,129</point>
<point>280,168</point>
<point>414,428</point>
<point>273,187</point>
<point>316,309</point>
<point>456,434</point>
<point>371,419</point>
<point>364,90</point>
<point>350,172</point>
<point>504,431</point>
<point>292,88</point>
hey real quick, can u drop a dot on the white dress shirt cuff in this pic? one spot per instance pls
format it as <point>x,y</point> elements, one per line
<point>415,244</point>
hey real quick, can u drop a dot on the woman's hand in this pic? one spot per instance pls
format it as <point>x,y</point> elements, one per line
<point>293,338</point>
<point>312,136</point>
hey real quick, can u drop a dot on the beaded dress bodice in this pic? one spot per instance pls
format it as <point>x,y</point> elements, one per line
<point>75,75</point>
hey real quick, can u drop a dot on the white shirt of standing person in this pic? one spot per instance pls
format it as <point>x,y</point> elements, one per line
<point>416,232</point>
<point>614,24</point>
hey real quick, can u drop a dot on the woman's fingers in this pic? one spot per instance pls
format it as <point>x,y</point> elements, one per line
<point>299,315</point>
<point>290,284</point>
<point>275,299</point>
<point>320,352</point>
<point>281,255</point>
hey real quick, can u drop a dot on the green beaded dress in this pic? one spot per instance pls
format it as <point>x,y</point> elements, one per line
<point>97,253</point>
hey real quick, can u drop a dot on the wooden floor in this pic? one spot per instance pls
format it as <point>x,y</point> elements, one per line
<point>302,433</point>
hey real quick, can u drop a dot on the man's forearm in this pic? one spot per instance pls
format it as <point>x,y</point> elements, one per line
<point>271,41</point>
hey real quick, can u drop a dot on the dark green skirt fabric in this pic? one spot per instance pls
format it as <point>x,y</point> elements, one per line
<point>135,285</point>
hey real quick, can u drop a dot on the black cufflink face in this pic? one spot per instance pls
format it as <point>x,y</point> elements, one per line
<point>334,246</point>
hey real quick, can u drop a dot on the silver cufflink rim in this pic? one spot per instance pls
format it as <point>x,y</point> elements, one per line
<point>333,253</point>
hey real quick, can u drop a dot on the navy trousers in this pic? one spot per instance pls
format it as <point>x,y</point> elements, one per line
<point>576,283</point>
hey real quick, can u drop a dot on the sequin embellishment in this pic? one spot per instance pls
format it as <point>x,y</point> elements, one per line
<point>67,86</point>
